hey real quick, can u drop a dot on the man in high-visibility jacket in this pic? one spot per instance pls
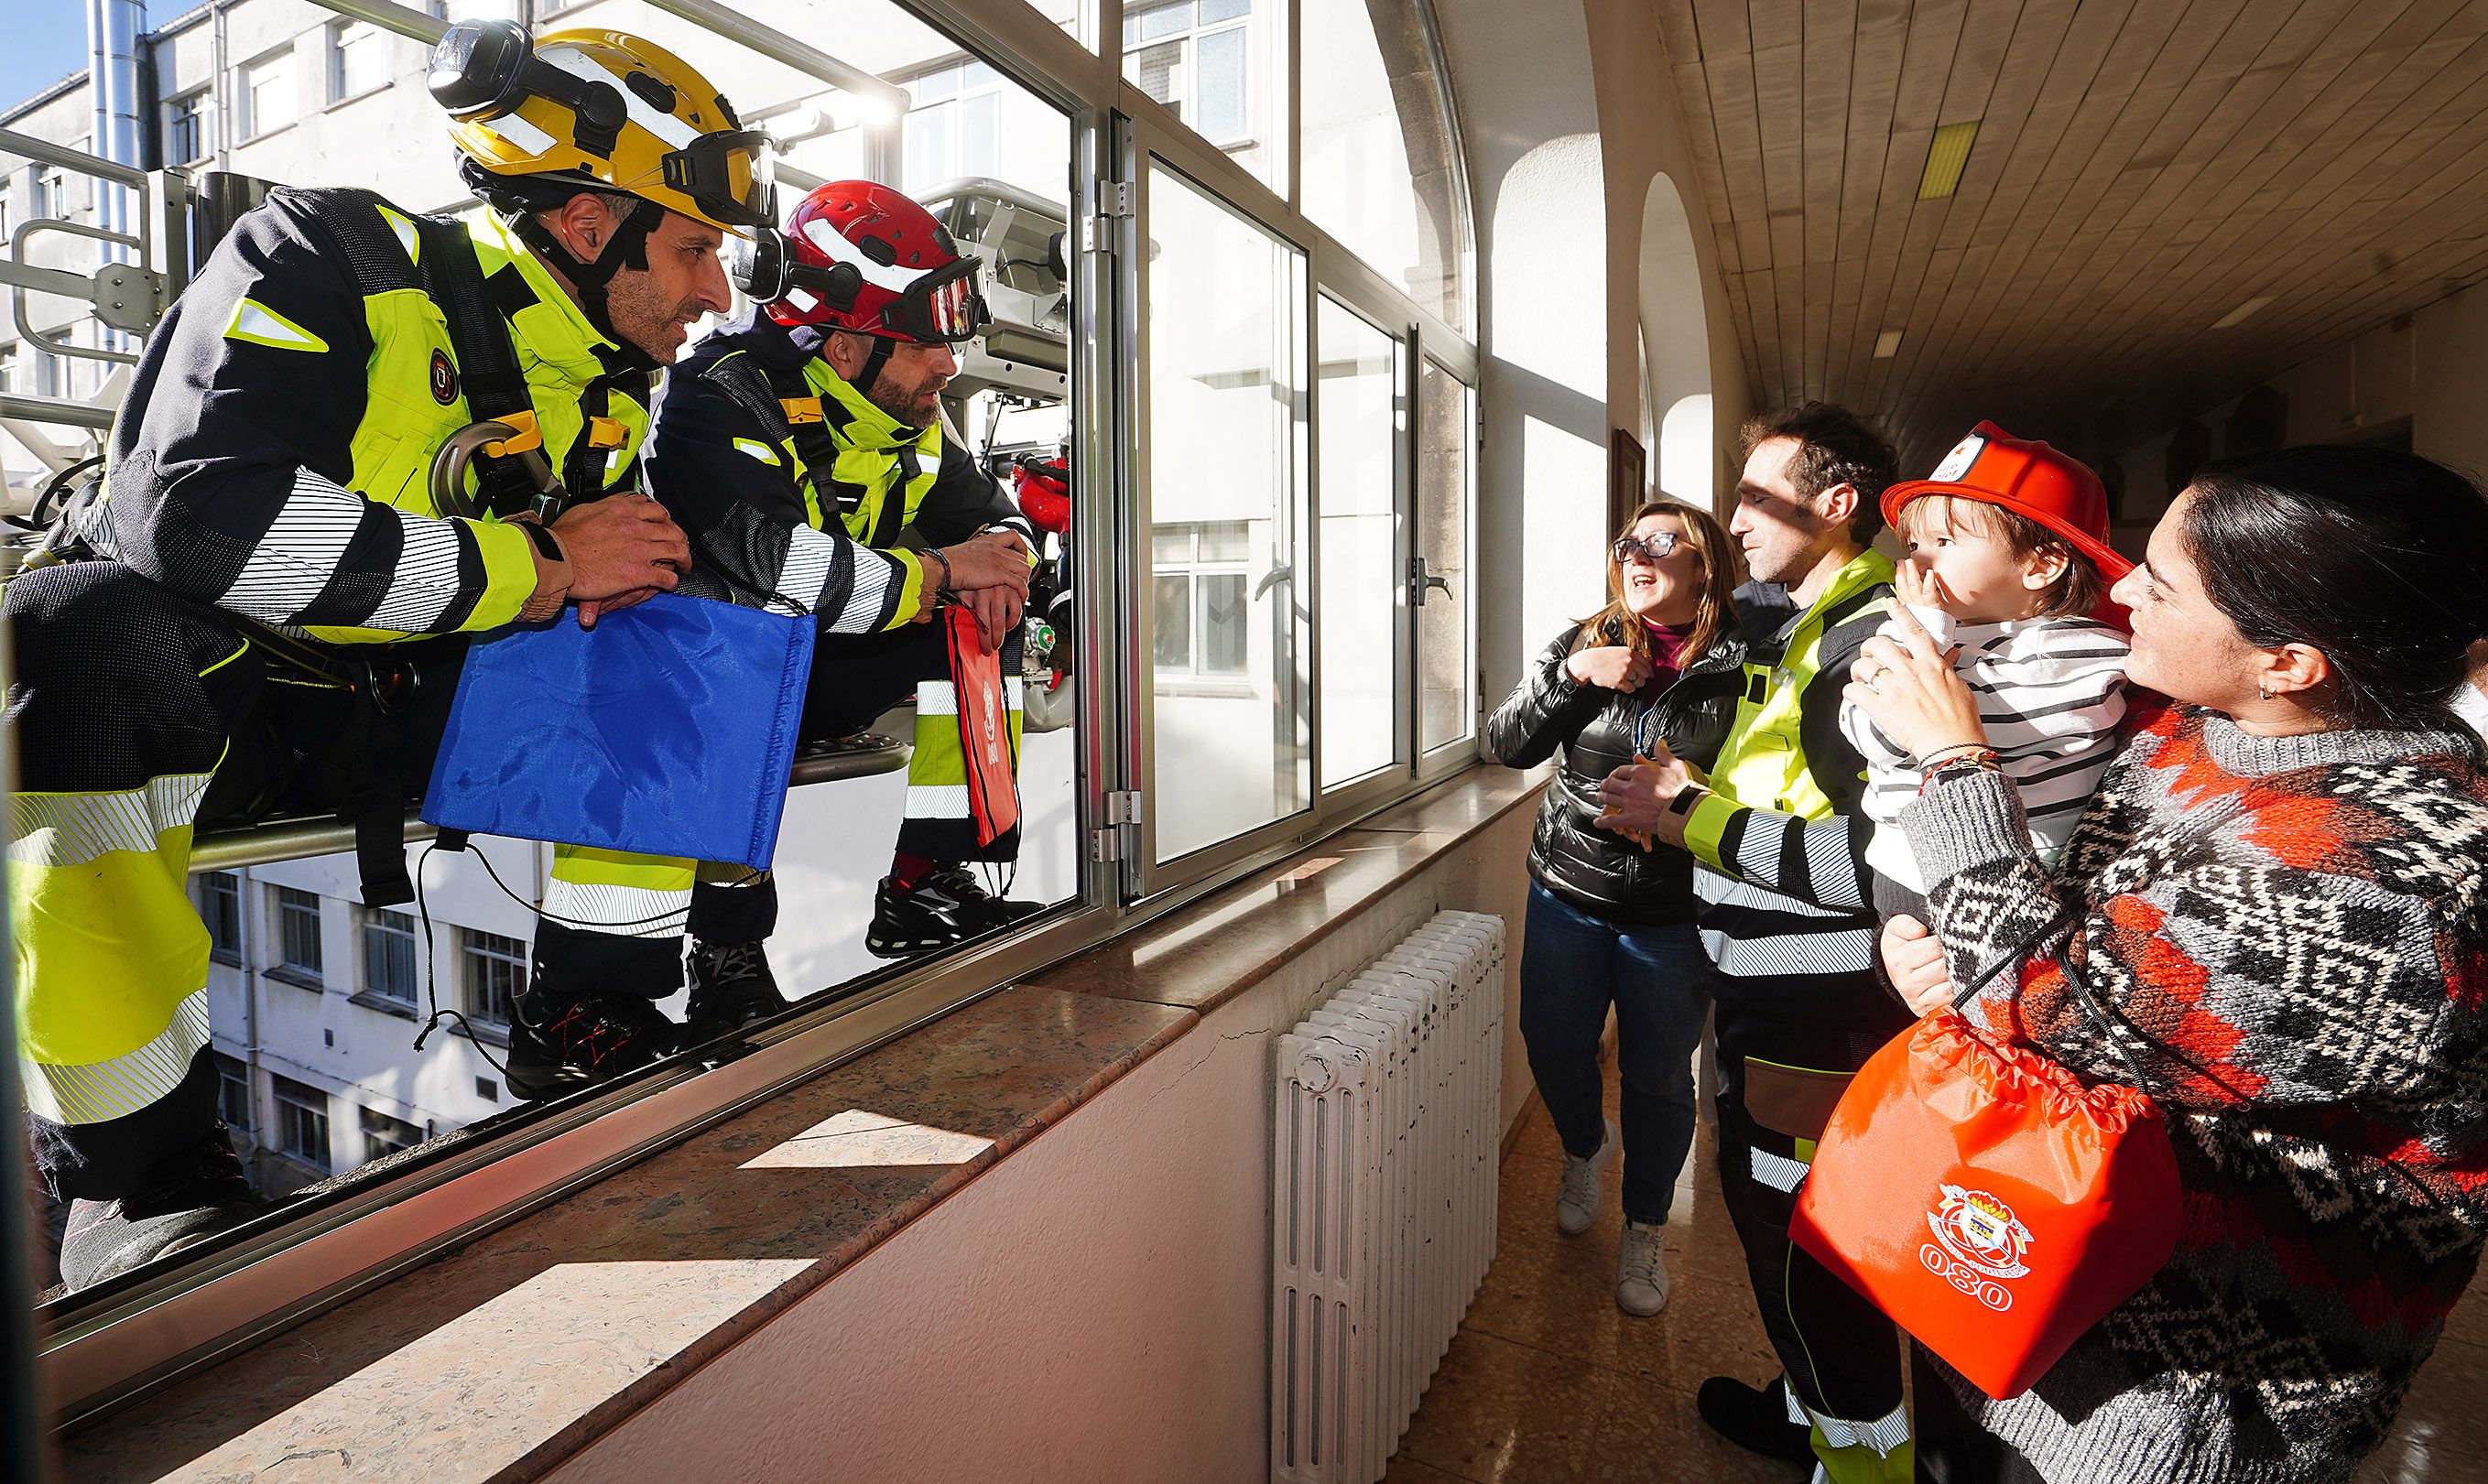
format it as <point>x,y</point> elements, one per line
<point>279,610</point>
<point>809,440</point>
<point>1783,903</point>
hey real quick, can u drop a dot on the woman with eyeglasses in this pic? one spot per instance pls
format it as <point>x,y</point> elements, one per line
<point>1610,919</point>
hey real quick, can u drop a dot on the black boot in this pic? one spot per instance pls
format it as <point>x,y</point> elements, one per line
<point>936,913</point>
<point>1755,1418</point>
<point>558,1046</point>
<point>194,1195</point>
<point>732,987</point>
<point>961,880</point>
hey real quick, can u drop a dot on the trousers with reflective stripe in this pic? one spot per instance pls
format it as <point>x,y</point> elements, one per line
<point>644,903</point>
<point>140,717</point>
<point>1841,1357</point>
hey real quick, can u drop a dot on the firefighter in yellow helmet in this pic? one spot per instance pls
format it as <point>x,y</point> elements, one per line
<point>283,576</point>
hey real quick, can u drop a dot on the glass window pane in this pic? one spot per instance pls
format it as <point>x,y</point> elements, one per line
<point>1357,418</point>
<point>1154,68</point>
<point>928,146</point>
<point>1445,415</point>
<point>1225,80</point>
<point>1377,148</point>
<point>1171,646</point>
<point>1225,348</point>
<point>941,83</point>
<point>1225,613</point>
<point>1224,9</point>
<point>1225,541</point>
<point>1223,113</point>
<point>978,143</point>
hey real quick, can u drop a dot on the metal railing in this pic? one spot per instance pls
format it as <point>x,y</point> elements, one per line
<point>294,837</point>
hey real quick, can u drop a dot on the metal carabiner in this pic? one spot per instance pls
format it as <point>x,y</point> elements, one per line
<point>459,450</point>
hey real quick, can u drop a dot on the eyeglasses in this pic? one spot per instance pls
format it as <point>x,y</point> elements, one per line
<point>1653,547</point>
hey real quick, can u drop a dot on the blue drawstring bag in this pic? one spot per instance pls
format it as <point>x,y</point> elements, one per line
<point>667,729</point>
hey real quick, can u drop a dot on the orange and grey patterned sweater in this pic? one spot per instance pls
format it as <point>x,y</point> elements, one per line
<point>2291,934</point>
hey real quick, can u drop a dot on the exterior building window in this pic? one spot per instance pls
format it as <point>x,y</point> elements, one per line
<point>477,10</point>
<point>494,971</point>
<point>298,935</point>
<point>389,955</point>
<point>359,59</point>
<point>186,129</point>
<point>384,1136</point>
<point>954,127</point>
<point>1191,55</point>
<point>8,217</point>
<point>220,908</point>
<point>1203,597</point>
<point>50,197</point>
<point>268,94</point>
<point>302,1121</point>
<point>233,1094</point>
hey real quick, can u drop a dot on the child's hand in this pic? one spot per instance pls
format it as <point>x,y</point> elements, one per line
<point>1922,587</point>
<point>1912,695</point>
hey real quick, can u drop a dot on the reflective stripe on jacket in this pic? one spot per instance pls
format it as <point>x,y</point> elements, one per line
<point>274,455</point>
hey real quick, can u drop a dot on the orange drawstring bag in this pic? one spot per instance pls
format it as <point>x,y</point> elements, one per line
<point>1986,1199</point>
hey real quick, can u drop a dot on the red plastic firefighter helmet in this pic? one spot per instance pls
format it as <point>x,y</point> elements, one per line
<point>1043,487</point>
<point>856,255</point>
<point>2029,478</point>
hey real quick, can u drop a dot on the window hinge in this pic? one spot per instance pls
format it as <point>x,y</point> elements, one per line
<point>1122,810</point>
<point>1114,198</point>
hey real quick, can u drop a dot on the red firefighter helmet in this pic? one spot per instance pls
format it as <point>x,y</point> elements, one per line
<point>856,255</point>
<point>1043,487</point>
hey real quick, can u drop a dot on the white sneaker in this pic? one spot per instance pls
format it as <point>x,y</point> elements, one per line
<point>1641,1270</point>
<point>1576,1204</point>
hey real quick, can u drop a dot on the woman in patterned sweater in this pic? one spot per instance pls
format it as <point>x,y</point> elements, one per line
<point>2281,895</point>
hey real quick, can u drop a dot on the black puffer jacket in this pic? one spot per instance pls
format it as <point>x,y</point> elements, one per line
<point>1595,870</point>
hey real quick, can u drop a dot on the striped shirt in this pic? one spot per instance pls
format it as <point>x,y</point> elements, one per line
<point>2051,692</point>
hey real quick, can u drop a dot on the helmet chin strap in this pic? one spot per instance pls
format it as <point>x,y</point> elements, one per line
<point>627,247</point>
<point>874,359</point>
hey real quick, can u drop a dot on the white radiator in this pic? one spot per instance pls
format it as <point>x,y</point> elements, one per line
<point>1383,1191</point>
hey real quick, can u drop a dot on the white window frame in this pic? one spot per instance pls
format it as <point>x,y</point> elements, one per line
<point>291,1105</point>
<point>481,953</point>
<point>224,889</point>
<point>276,68</point>
<point>378,924</point>
<point>1185,103</point>
<point>287,908</point>
<point>198,108</point>
<point>336,39</point>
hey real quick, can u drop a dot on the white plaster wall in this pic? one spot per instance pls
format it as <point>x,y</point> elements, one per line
<point>1094,1308</point>
<point>1567,115</point>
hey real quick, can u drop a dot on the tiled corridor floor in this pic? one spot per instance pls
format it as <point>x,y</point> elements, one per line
<point>1548,1380</point>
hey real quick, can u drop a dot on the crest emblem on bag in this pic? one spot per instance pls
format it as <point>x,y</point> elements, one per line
<point>1978,1240</point>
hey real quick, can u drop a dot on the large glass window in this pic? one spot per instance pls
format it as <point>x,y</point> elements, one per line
<point>1217,66</point>
<point>1378,157</point>
<point>359,59</point>
<point>186,129</point>
<point>492,971</point>
<point>389,956</point>
<point>268,94</point>
<point>1356,387</point>
<point>1446,674</point>
<point>298,933</point>
<point>220,908</point>
<point>1230,713</point>
<point>301,1122</point>
<point>384,1136</point>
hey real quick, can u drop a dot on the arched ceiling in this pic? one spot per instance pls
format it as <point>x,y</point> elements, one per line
<point>2141,171</point>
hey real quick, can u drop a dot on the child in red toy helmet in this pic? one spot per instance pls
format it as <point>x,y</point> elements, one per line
<point>2008,563</point>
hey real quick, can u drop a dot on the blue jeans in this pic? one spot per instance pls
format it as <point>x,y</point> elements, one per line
<point>1572,967</point>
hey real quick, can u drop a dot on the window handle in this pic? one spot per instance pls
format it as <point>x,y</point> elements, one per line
<point>1420,579</point>
<point>1284,572</point>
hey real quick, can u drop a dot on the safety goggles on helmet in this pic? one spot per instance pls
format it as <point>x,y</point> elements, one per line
<point>732,177</point>
<point>942,305</point>
<point>1652,547</point>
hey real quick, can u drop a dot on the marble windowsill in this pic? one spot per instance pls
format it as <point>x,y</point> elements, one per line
<point>505,1356</point>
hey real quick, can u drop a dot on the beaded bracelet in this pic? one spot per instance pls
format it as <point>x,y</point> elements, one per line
<point>1982,760</point>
